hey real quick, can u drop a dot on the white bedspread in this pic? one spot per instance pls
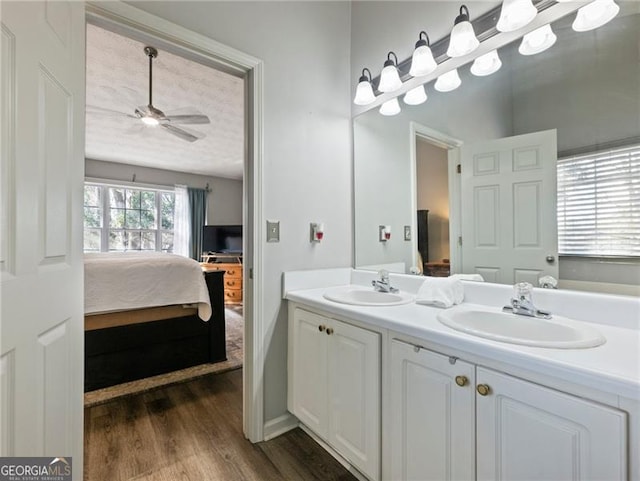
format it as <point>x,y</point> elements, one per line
<point>116,281</point>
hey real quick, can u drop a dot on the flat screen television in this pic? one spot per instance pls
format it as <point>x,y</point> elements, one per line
<point>222,239</point>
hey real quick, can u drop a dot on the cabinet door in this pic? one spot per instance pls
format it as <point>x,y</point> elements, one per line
<point>526,431</point>
<point>309,364</point>
<point>354,390</point>
<point>432,417</point>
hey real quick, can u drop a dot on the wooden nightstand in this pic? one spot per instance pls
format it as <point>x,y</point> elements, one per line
<point>232,279</point>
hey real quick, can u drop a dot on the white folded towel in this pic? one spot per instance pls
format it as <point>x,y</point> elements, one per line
<point>441,292</point>
<point>468,277</point>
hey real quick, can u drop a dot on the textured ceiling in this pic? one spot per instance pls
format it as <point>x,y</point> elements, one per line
<point>118,79</point>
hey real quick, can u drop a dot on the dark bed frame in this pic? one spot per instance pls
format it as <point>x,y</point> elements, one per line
<point>126,353</point>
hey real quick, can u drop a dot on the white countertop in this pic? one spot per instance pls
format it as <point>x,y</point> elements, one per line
<point>613,367</point>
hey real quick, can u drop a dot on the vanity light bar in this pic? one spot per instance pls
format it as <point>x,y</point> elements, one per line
<point>485,26</point>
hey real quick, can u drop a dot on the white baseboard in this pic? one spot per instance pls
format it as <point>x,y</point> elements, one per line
<point>280,425</point>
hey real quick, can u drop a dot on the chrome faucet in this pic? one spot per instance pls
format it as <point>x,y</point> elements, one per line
<point>383,285</point>
<point>522,302</point>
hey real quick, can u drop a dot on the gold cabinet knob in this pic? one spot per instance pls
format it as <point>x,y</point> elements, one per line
<point>321,328</point>
<point>461,380</point>
<point>483,389</point>
<point>329,331</point>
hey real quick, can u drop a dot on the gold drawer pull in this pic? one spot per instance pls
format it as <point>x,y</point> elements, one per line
<point>483,389</point>
<point>461,380</point>
<point>329,331</point>
<point>321,328</point>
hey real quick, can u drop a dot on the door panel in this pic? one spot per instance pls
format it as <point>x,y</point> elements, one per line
<point>509,222</point>
<point>310,371</point>
<point>526,431</point>
<point>432,418</point>
<point>354,364</point>
<point>41,324</point>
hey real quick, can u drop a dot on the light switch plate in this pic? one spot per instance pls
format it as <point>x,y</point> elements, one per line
<point>407,232</point>
<point>273,231</point>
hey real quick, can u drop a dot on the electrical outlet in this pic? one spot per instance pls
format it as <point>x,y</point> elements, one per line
<point>273,231</point>
<point>407,232</point>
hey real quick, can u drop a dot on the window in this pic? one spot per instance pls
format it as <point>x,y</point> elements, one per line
<point>599,203</point>
<point>126,218</point>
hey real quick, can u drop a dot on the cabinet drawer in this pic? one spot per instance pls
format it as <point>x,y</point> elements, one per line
<point>233,271</point>
<point>232,295</point>
<point>232,283</point>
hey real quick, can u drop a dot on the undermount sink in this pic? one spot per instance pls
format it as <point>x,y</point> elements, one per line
<point>557,332</point>
<point>363,296</point>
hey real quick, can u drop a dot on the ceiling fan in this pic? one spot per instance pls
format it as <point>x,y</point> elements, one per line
<point>154,117</point>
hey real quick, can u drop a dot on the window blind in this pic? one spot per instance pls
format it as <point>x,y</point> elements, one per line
<point>599,203</point>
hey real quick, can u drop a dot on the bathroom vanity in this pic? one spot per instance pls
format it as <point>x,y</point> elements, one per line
<point>398,395</point>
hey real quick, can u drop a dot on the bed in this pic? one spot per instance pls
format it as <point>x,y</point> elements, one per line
<point>149,314</point>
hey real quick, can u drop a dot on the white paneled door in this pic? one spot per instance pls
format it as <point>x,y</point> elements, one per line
<point>509,227</point>
<point>41,323</point>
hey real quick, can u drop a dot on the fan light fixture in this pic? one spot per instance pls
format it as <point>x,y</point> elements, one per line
<point>448,81</point>
<point>516,14</point>
<point>594,15</point>
<point>389,78</point>
<point>422,61</point>
<point>462,40</point>
<point>486,64</point>
<point>364,91</point>
<point>537,41</point>
<point>415,96</point>
<point>390,107</point>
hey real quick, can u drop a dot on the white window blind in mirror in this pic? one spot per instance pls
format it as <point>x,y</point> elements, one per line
<point>599,203</point>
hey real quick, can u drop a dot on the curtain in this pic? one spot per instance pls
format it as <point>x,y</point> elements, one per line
<point>181,222</point>
<point>198,211</point>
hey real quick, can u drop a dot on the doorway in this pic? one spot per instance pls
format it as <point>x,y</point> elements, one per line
<point>132,23</point>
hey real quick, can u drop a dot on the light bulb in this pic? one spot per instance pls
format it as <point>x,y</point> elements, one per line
<point>486,64</point>
<point>390,107</point>
<point>422,61</point>
<point>448,81</point>
<point>415,96</point>
<point>537,41</point>
<point>389,78</point>
<point>595,15</point>
<point>462,40</point>
<point>364,91</point>
<point>515,14</point>
<point>152,121</point>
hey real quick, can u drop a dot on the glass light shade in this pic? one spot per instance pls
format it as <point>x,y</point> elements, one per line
<point>595,15</point>
<point>462,40</point>
<point>422,62</point>
<point>515,14</point>
<point>389,79</point>
<point>415,96</point>
<point>364,93</point>
<point>390,107</point>
<point>448,81</point>
<point>486,64</point>
<point>537,41</point>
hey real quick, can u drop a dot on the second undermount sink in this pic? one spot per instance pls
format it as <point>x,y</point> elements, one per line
<point>557,332</point>
<point>363,296</point>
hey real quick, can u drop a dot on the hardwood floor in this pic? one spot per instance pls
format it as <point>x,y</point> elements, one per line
<point>193,432</point>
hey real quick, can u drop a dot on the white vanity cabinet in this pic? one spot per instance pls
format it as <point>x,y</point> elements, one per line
<point>494,426</point>
<point>334,385</point>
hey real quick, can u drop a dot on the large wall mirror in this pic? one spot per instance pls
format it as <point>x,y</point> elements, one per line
<point>584,92</point>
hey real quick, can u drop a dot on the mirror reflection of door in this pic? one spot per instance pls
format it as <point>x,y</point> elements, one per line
<point>433,196</point>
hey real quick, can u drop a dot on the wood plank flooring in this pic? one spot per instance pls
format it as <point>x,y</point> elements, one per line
<point>193,432</point>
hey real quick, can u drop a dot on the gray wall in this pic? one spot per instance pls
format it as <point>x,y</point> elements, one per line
<point>307,141</point>
<point>224,202</point>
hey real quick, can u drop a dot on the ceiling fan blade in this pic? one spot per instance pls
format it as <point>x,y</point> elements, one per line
<point>187,115</point>
<point>94,109</point>
<point>184,134</point>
